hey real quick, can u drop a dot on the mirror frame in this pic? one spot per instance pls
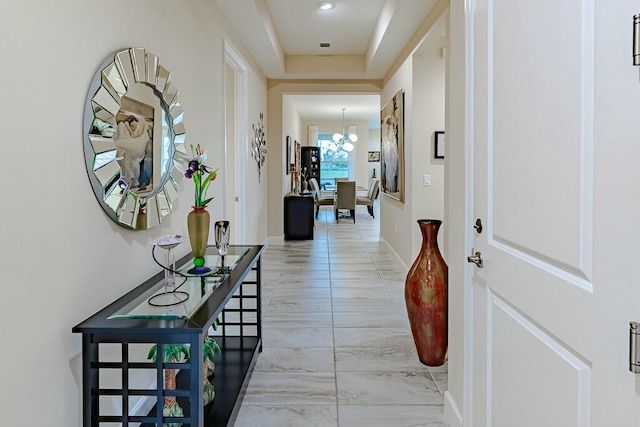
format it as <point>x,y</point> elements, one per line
<point>121,70</point>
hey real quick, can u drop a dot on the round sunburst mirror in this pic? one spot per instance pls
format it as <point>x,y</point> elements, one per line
<point>134,138</point>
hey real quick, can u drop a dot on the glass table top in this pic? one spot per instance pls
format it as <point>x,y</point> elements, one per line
<point>189,292</point>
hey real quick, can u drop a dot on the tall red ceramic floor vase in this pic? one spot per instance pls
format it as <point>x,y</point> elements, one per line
<point>425,294</point>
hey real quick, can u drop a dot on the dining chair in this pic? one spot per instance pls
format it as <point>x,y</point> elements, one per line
<point>345,198</point>
<point>370,198</point>
<point>319,200</point>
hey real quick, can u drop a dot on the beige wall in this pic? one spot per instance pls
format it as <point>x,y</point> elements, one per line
<point>428,117</point>
<point>282,120</point>
<point>455,208</point>
<point>64,258</point>
<point>422,77</point>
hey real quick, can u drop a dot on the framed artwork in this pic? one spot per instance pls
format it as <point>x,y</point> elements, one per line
<point>288,155</point>
<point>374,156</point>
<point>298,156</point>
<point>438,148</point>
<point>392,147</point>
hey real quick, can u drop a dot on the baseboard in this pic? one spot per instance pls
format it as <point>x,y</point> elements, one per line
<point>451,412</point>
<point>400,264</point>
<point>275,240</point>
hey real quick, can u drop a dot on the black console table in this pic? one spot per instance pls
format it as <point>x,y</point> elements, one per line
<point>232,296</point>
<point>299,216</point>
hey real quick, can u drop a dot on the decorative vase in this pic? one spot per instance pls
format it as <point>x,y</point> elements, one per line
<point>198,225</point>
<point>305,186</point>
<point>141,220</point>
<point>221,232</point>
<point>425,295</point>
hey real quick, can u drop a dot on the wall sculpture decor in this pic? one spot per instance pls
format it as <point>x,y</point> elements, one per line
<point>259,145</point>
<point>134,138</point>
<point>392,147</point>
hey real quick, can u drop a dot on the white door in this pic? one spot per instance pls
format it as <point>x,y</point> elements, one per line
<point>236,112</point>
<point>230,150</point>
<point>555,143</point>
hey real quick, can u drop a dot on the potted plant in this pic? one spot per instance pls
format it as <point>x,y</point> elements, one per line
<point>171,353</point>
<point>210,349</point>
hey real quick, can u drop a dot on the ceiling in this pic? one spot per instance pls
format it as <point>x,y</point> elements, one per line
<point>329,107</point>
<point>366,37</point>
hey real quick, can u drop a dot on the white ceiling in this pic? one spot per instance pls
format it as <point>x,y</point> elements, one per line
<point>366,36</point>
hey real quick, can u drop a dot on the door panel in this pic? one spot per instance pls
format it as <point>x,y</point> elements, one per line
<point>530,360</point>
<point>530,125</point>
<point>533,177</point>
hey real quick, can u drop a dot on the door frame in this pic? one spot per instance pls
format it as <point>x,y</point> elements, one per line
<point>468,208</point>
<point>234,59</point>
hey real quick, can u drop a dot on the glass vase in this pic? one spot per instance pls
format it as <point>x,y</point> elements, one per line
<point>198,225</point>
<point>425,294</point>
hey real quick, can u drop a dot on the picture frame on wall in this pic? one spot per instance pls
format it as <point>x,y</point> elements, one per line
<point>374,156</point>
<point>392,147</point>
<point>288,155</point>
<point>438,148</point>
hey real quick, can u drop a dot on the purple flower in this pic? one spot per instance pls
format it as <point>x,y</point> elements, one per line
<point>123,185</point>
<point>194,165</point>
<point>188,174</point>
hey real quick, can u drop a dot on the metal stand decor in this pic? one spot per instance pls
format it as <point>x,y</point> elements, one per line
<point>171,296</point>
<point>130,321</point>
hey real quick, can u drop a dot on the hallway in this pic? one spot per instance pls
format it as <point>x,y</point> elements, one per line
<point>337,346</point>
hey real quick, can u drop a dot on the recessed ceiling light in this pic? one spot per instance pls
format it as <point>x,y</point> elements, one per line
<point>326,5</point>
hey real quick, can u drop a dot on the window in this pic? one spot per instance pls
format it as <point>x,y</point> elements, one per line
<point>334,161</point>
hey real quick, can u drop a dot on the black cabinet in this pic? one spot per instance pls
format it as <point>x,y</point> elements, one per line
<point>311,160</point>
<point>232,297</point>
<point>298,216</point>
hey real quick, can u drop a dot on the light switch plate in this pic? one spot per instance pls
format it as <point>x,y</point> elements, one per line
<point>426,180</point>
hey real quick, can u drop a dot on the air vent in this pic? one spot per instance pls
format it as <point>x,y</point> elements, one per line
<point>325,44</point>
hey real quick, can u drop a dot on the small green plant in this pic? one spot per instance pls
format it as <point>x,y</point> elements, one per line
<point>171,353</point>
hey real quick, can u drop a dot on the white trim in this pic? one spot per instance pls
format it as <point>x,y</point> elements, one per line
<point>467,386</point>
<point>233,57</point>
<point>451,412</point>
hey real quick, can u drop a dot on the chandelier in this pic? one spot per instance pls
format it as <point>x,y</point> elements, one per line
<point>345,140</point>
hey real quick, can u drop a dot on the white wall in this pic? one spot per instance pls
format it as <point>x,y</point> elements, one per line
<point>456,214</point>
<point>421,77</point>
<point>281,121</point>
<point>64,258</point>
<point>359,172</point>
<point>256,192</point>
<point>291,126</point>
<point>428,117</point>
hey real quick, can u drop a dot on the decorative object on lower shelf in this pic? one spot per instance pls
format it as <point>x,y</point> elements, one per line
<point>425,295</point>
<point>210,349</point>
<point>171,353</point>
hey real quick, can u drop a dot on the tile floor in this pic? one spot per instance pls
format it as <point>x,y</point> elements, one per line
<point>337,346</point>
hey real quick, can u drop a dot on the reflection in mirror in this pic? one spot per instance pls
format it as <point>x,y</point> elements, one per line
<point>134,139</point>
